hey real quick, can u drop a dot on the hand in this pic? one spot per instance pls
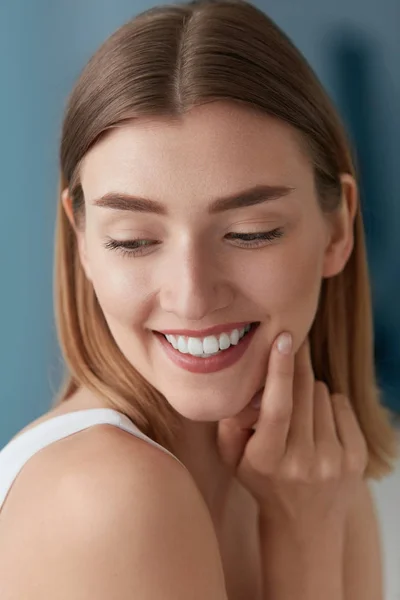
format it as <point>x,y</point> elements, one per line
<point>307,451</point>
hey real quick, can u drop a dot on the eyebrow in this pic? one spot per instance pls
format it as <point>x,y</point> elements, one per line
<point>248,197</point>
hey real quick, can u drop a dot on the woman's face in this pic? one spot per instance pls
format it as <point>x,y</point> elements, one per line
<point>192,272</point>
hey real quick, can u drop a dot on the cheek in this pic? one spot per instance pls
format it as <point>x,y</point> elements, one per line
<point>302,279</point>
<point>122,289</point>
<point>288,288</point>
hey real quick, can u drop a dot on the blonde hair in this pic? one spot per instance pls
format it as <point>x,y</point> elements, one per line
<point>162,63</point>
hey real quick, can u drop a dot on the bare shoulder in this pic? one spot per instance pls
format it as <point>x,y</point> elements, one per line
<point>110,516</point>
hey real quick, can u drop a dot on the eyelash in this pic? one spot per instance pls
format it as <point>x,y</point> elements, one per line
<point>134,248</point>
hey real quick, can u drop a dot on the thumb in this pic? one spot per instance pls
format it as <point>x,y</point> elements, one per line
<point>233,433</point>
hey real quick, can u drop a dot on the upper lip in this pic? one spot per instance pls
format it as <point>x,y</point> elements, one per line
<point>215,329</point>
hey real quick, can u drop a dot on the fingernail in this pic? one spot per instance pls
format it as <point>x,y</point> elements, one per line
<point>284,343</point>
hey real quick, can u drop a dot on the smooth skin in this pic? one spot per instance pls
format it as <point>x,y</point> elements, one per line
<point>108,517</point>
<point>216,150</point>
<point>303,435</point>
<point>128,521</point>
<point>304,464</point>
<point>181,281</point>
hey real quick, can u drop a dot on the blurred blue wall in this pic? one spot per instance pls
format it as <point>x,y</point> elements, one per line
<point>353,45</point>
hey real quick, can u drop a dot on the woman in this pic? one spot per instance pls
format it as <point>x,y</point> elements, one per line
<point>208,204</point>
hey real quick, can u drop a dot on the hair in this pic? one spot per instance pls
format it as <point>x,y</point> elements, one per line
<point>162,63</point>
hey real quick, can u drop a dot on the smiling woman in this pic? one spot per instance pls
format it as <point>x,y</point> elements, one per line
<point>245,242</point>
<point>208,203</point>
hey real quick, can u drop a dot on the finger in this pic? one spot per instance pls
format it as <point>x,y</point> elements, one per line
<point>232,438</point>
<point>350,434</point>
<point>273,423</point>
<point>325,431</point>
<point>234,432</point>
<point>301,431</point>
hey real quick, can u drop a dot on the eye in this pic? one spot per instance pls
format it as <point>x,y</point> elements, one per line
<point>140,247</point>
<point>253,240</point>
<point>135,247</point>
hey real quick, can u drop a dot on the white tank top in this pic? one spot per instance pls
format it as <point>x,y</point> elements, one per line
<point>19,450</point>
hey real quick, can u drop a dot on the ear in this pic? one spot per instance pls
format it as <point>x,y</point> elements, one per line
<point>341,229</point>
<point>80,233</point>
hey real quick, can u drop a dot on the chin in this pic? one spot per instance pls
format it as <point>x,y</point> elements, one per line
<point>209,403</point>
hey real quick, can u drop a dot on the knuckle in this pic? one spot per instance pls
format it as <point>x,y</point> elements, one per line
<point>356,461</point>
<point>329,467</point>
<point>261,465</point>
<point>297,469</point>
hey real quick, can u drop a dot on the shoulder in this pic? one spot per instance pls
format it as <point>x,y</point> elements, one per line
<point>99,450</point>
<point>108,464</point>
<point>110,513</point>
<point>103,459</point>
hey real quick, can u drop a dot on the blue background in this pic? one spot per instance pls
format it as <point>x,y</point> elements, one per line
<point>353,45</point>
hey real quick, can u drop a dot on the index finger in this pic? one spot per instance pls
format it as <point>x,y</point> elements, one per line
<point>277,401</point>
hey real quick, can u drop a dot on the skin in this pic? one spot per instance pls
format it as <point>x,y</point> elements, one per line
<point>304,464</point>
<point>197,277</point>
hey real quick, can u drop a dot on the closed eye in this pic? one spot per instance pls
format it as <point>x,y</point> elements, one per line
<point>140,246</point>
<point>251,240</point>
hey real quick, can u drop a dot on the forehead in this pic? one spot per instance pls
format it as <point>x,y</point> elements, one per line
<point>219,146</point>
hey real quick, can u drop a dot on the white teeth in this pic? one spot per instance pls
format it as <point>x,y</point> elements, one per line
<point>208,346</point>
<point>235,336</point>
<point>224,341</point>
<point>195,346</point>
<point>172,340</point>
<point>182,345</point>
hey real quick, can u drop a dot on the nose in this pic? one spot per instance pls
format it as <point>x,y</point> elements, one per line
<point>193,286</point>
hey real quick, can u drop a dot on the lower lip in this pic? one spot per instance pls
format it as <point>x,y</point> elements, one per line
<point>220,361</point>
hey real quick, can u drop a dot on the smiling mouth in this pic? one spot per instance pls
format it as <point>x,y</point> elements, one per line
<point>201,362</point>
<point>211,345</point>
